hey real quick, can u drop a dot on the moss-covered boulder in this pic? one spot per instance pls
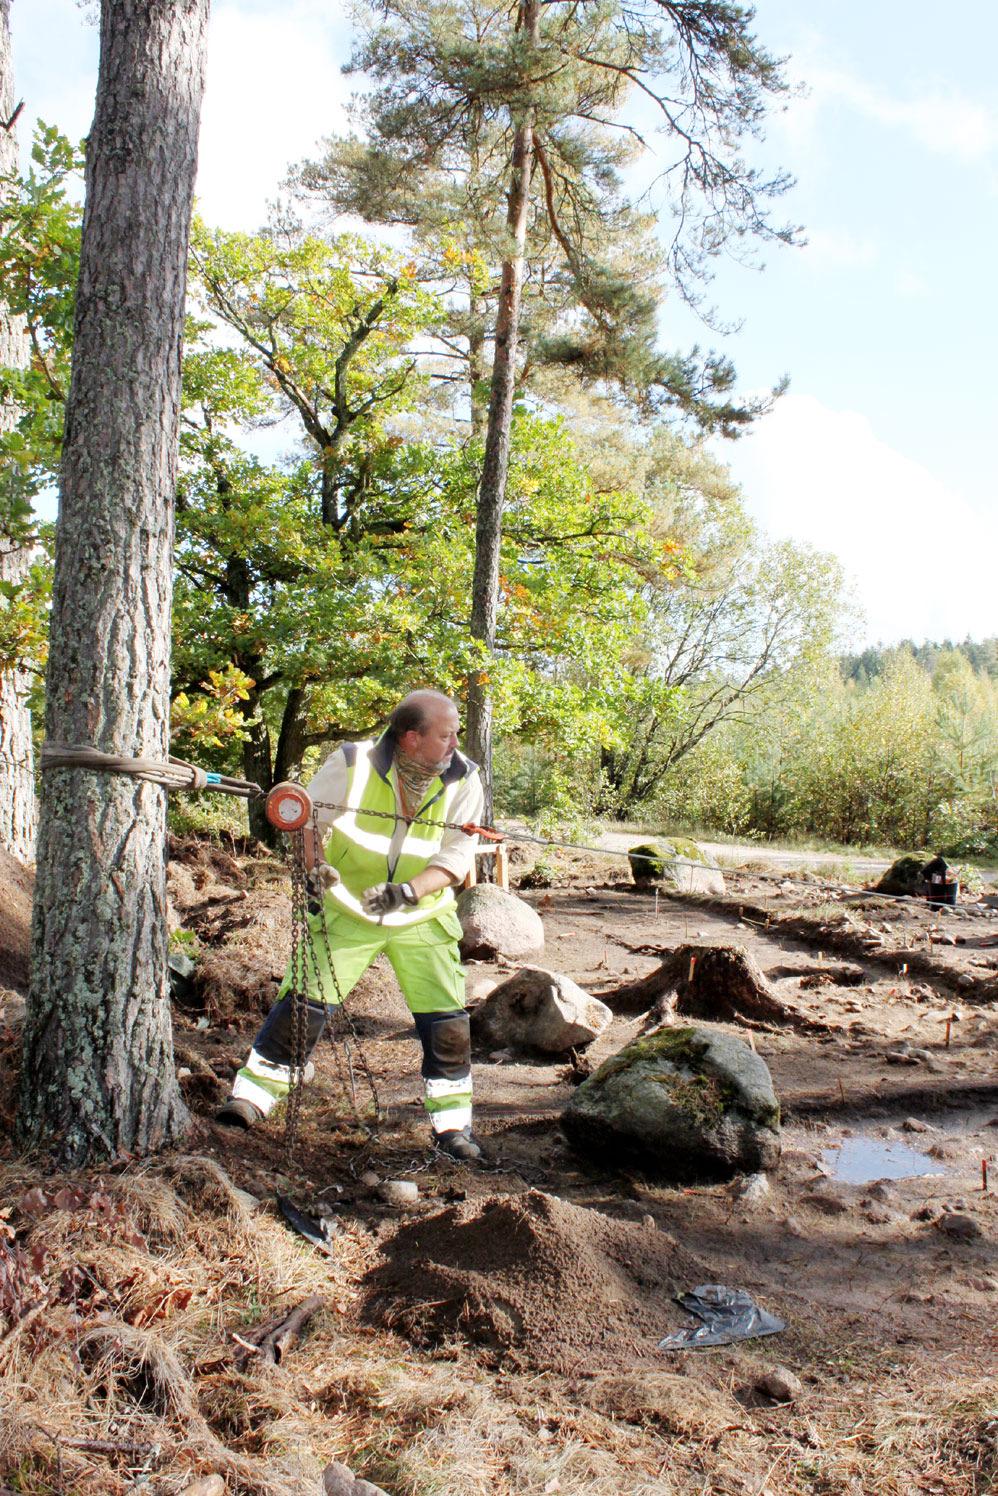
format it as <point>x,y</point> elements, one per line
<point>683,1103</point>
<point>677,862</point>
<point>905,876</point>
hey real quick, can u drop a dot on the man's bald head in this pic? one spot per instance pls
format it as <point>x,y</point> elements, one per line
<point>425,726</point>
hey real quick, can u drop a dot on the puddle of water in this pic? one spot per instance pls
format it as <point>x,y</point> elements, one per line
<point>859,1160</point>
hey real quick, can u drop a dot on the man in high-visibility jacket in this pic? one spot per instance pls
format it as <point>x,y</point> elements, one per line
<point>389,867</point>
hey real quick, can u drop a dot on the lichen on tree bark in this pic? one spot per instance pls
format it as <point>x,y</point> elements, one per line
<point>98,1075</point>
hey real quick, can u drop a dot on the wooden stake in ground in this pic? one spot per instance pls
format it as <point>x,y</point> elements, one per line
<point>98,1076</point>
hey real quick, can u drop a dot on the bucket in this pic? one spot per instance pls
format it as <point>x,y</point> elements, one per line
<point>939,890</point>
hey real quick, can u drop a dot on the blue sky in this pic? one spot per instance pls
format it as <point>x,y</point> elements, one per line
<point>886,322</point>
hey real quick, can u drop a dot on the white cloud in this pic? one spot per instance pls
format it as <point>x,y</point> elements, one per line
<point>839,248</point>
<point>274,89</point>
<point>911,285</point>
<point>944,121</point>
<point>922,557</point>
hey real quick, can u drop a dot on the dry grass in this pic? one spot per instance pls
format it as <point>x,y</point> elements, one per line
<point>116,1365</point>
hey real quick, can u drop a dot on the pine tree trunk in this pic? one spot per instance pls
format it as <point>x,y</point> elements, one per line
<point>495,465</point>
<point>98,1075</point>
<point>17,778</point>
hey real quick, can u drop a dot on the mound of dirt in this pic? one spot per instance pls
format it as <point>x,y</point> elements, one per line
<point>246,948</point>
<point>16,887</point>
<point>533,1281</point>
<point>240,914</point>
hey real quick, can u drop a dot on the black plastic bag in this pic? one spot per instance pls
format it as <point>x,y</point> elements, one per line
<point>726,1314</point>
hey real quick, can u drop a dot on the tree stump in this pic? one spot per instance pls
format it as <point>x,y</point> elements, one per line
<point>267,1344</point>
<point>718,982</point>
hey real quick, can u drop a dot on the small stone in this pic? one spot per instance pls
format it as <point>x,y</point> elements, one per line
<point>924,1055</point>
<point>753,1189</point>
<point>247,1201</point>
<point>793,1226</point>
<point>960,1227</point>
<point>369,1179</point>
<point>207,1485</point>
<point>338,1480</point>
<point>649,1222</point>
<point>401,1193</point>
<point>915,1124</point>
<point>184,1072</point>
<point>781,1385</point>
<point>478,985</point>
<point>828,1201</point>
<point>985,1285</point>
<point>500,1056</point>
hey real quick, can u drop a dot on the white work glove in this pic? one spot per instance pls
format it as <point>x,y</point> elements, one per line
<point>318,881</point>
<point>385,898</point>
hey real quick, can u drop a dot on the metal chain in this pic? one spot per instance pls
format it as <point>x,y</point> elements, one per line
<point>299,991</point>
<point>303,952</point>
<point>348,1029</point>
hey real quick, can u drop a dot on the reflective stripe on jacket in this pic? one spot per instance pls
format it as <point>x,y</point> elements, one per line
<point>359,844</point>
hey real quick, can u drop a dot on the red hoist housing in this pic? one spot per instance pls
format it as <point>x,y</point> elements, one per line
<point>288,807</point>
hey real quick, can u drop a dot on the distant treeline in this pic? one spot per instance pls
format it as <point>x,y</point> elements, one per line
<point>982,657</point>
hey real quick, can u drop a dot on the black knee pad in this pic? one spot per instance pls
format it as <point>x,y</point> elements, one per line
<point>273,1041</point>
<point>446,1041</point>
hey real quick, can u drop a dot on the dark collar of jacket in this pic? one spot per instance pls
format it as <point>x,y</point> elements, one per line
<point>383,753</point>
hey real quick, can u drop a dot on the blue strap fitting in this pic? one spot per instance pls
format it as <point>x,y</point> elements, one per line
<point>214,778</point>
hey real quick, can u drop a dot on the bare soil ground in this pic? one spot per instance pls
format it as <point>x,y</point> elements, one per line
<point>500,1336</point>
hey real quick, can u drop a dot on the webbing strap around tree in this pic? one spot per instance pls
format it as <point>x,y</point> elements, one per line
<point>174,774</point>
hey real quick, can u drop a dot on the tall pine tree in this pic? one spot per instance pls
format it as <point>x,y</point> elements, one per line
<point>504,132</point>
<point>97,1074</point>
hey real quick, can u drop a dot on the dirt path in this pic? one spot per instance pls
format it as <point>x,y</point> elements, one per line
<point>740,854</point>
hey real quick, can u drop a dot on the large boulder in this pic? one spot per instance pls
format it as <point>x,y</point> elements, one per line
<point>538,1010</point>
<point>683,1103</point>
<point>678,862</point>
<point>904,877</point>
<point>497,923</point>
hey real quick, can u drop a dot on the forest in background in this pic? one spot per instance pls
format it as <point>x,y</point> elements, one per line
<point>657,658</point>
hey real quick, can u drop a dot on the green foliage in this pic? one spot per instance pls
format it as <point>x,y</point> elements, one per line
<point>211,718</point>
<point>40,220</point>
<point>453,79</point>
<point>904,758</point>
<point>24,606</point>
<point>728,633</point>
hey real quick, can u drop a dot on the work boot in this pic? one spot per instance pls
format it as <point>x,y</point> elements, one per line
<point>239,1113</point>
<point>460,1144</point>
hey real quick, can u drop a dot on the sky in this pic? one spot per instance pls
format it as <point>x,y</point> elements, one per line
<point>885,322</point>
